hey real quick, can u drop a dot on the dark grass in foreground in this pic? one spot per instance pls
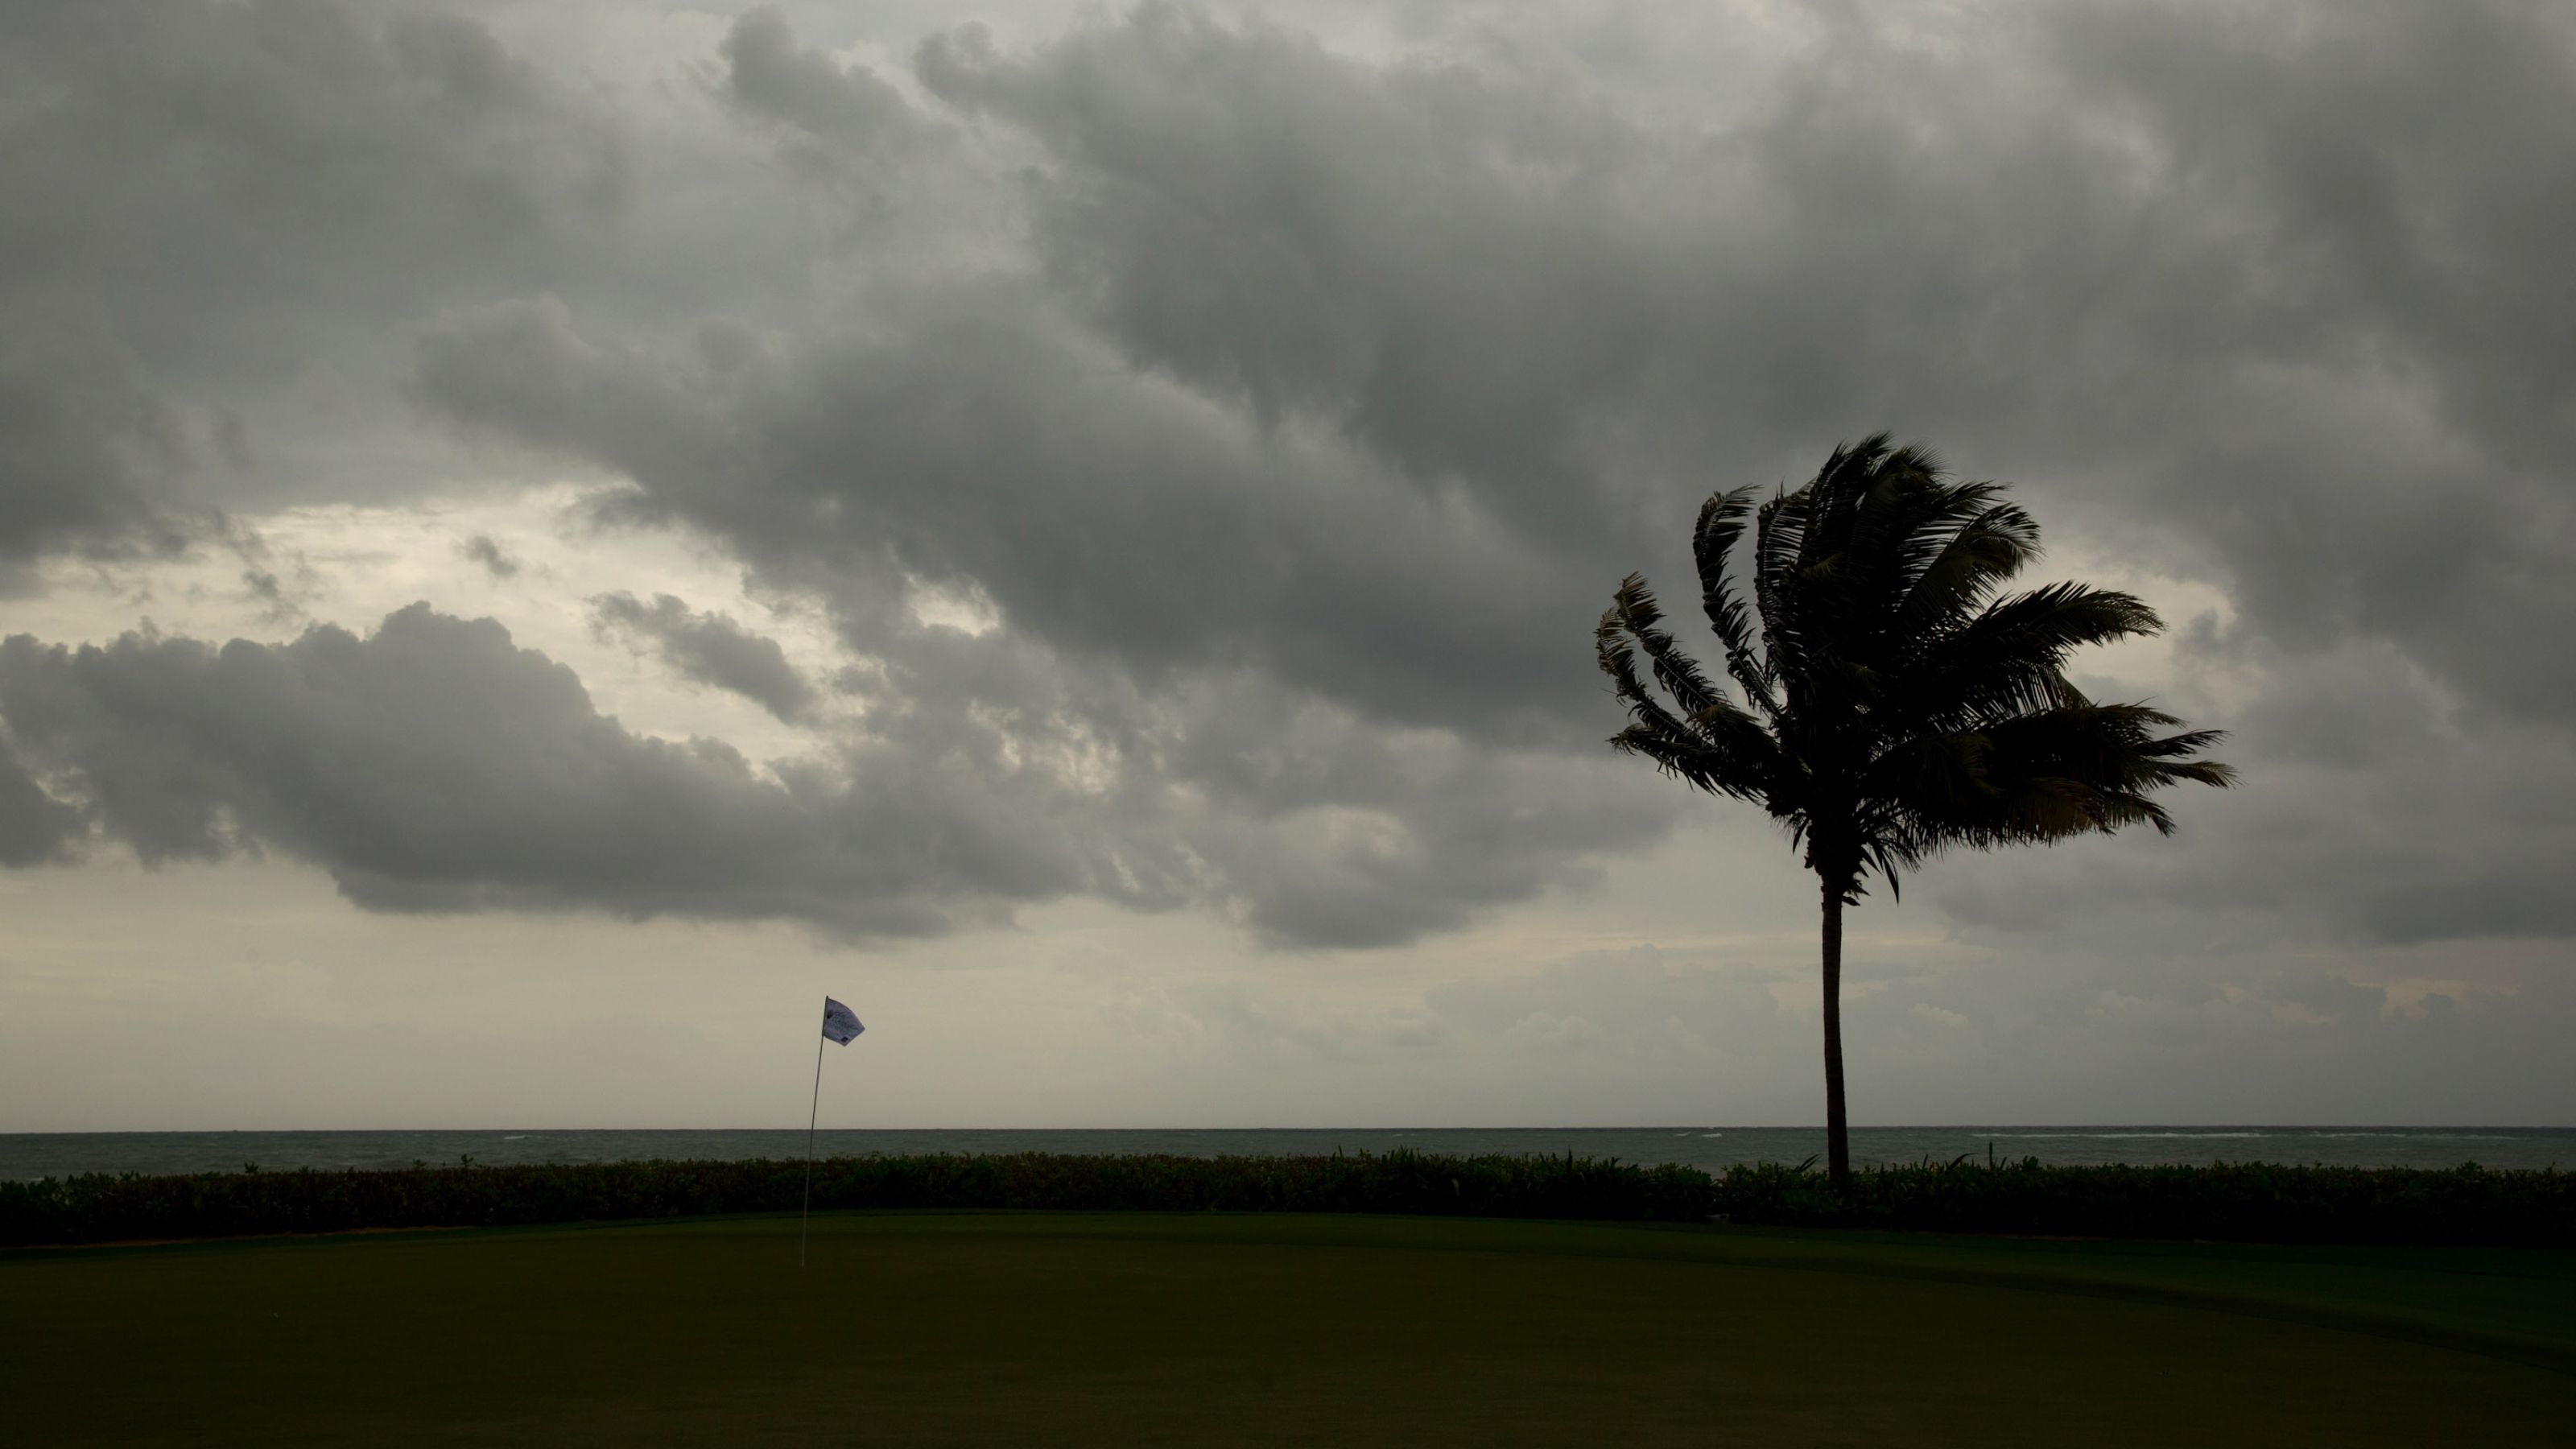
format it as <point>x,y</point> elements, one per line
<point>1152,1329</point>
<point>2248,1202</point>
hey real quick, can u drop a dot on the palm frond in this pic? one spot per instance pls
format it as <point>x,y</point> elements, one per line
<point>1641,618</point>
<point>1974,557</point>
<point>1779,532</point>
<point>2009,658</point>
<point>1897,703</point>
<point>1713,540</point>
<point>1714,744</point>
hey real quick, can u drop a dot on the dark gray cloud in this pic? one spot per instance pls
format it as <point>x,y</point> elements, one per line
<point>986,448</point>
<point>2376,199</point>
<point>1289,413</point>
<point>35,828</point>
<point>2190,276</point>
<point>831,113</point>
<point>434,765</point>
<point>367,145</point>
<point>1182,597</point>
<point>216,215</point>
<point>2389,817</point>
<point>487,551</point>
<point>93,456</point>
<point>2209,294</point>
<point>1365,377</point>
<point>708,649</point>
<point>1450,266</point>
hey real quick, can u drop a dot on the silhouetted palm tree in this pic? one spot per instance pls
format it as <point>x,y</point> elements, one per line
<point>1896,704</point>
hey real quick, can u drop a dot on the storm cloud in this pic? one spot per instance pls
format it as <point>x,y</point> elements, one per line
<point>35,828</point>
<point>1206,441</point>
<point>708,649</point>
<point>434,766</point>
<point>2274,288</point>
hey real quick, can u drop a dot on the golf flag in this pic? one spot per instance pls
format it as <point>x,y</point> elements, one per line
<point>839,1022</point>
<point>841,1026</point>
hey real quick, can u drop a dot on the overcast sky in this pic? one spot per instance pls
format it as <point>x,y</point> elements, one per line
<point>538,538</point>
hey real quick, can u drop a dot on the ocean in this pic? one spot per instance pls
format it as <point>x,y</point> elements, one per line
<point>29,1155</point>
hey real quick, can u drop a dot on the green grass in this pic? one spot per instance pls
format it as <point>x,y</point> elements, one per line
<point>1222,1329</point>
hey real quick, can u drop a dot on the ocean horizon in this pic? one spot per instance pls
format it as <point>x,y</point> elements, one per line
<point>25,1156</point>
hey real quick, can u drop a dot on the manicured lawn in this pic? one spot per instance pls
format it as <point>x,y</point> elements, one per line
<point>1145,1329</point>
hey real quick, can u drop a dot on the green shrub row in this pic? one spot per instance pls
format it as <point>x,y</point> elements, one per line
<point>2253,1202</point>
<point>101,1208</point>
<point>2245,1202</point>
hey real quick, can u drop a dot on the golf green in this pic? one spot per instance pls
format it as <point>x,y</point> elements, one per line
<point>1150,1329</point>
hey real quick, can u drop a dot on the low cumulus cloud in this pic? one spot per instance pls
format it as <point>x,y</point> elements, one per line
<point>709,649</point>
<point>35,828</point>
<point>433,765</point>
<point>986,449</point>
<point>487,551</point>
<point>96,459</point>
<point>832,115</point>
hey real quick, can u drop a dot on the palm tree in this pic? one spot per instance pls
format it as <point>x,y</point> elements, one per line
<point>1898,704</point>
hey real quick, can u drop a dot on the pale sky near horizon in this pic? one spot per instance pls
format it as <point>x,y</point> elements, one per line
<point>538,539</point>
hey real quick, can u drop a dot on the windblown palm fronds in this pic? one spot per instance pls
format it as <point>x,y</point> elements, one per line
<point>1889,699</point>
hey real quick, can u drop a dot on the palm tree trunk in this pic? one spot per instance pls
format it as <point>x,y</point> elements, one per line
<point>1837,1123</point>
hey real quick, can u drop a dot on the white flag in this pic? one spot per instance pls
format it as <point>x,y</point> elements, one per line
<point>839,1022</point>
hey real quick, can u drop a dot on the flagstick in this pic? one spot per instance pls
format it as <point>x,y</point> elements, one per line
<point>805,1219</point>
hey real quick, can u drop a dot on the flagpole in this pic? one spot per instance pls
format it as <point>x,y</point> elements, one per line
<point>805,1218</point>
